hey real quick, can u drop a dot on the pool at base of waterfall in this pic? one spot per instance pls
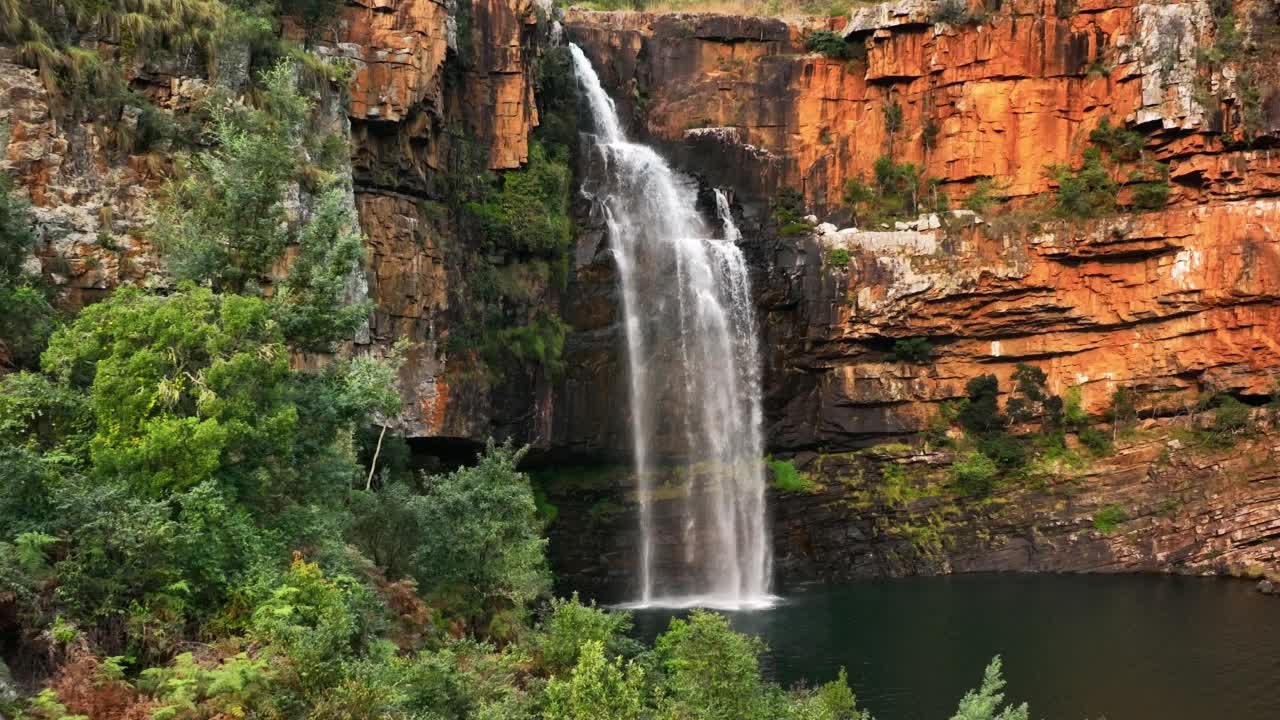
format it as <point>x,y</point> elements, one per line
<point>1121,647</point>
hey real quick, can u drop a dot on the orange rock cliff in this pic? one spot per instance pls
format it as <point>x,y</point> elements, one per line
<point>1176,302</point>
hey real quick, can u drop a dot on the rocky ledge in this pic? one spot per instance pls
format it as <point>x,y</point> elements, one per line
<point>1158,503</point>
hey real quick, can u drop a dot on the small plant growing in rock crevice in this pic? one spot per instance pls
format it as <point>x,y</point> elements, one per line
<point>788,212</point>
<point>1109,518</point>
<point>838,257</point>
<point>1116,159</point>
<point>786,478</point>
<point>915,350</point>
<point>827,43</point>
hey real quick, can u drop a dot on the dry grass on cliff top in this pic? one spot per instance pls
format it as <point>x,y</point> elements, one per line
<point>760,8</point>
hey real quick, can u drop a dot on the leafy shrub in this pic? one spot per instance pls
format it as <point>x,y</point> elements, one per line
<point>711,672</point>
<point>530,214</point>
<point>1231,419</point>
<point>540,341</point>
<point>1073,414</point>
<point>1085,192</point>
<point>788,208</point>
<point>1095,440</point>
<point>838,257</point>
<point>827,43</point>
<point>985,194</point>
<point>892,117</point>
<point>830,701</point>
<point>1093,188</point>
<point>1005,450</point>
<point>982,412</point>
<point>1152,195</point>
<point>896,190</point>
<point>1124,406</point>
<point>568,624</point>
<point>974,474</point>
<point>1107,519</point>
<point>916,350</point>
<point>786,478</point>
<point>313,621</point>
<point>596,689</point>
<point>26,317</point>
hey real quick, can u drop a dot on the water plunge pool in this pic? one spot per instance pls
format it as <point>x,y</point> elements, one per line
<point>1074,646</point>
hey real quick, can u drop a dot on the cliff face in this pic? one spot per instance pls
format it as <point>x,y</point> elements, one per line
<point>437,90</point>
<point>440,90</point>
<point>1176,301</point>
<point>1157,504</point>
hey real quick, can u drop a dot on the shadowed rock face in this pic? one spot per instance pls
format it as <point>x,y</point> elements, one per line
<point>1155,505</point>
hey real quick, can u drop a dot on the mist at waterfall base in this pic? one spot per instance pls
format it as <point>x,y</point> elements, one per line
<point>1122,647</point>
<point>693,368</point>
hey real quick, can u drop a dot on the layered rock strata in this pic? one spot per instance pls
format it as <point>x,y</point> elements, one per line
<point>1158,504</point>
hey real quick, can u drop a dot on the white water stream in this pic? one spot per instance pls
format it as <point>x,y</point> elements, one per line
<point>694,374</point>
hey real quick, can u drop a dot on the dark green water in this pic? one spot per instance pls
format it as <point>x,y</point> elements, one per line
<point>1074,646</point>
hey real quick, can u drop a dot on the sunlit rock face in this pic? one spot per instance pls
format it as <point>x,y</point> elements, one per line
<point>1178,301</point>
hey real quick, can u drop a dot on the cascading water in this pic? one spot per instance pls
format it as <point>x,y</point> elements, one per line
<point>693,368</point>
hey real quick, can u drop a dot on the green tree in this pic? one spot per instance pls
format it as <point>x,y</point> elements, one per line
<point>984,703</point>
<point>596,689</point>
<point>982,414</point>
<point>26,317</point>
<point>569,625</point>
<point>1031,399</point>
<point>196,386</point>
<point>481,541</point>
<point>711,672</point>
<point>315,302</point>
<point>224,222</point>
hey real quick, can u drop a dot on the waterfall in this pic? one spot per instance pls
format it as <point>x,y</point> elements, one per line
<point>693,372</point>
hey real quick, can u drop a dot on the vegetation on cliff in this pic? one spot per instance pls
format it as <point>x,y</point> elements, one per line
<point>192,520</point>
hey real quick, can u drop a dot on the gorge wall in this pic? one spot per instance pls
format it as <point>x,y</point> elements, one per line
<point>1177,303</point>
